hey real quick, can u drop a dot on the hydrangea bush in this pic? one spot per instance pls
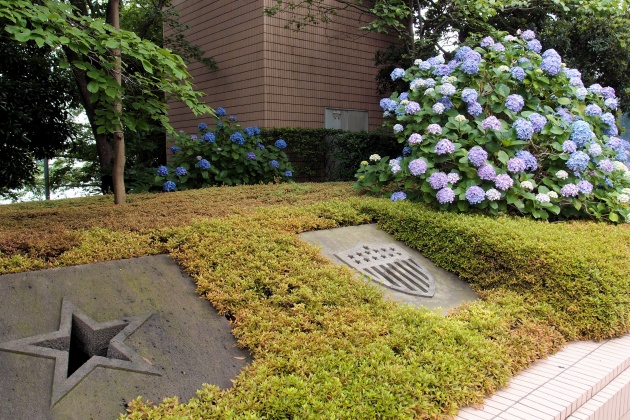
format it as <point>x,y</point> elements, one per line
<point>224,154</point>
<point>504,127</point>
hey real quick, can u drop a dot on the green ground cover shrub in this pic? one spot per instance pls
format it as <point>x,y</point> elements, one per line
<point>326,344</point>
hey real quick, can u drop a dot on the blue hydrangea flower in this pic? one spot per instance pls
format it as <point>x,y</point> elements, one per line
<point>611,103</point>
<point>397,74</point>
<point>477,156</point>
<point>444,146</point>
<point>595,150</point>
<point>430,82</point>
<point>412,107</point>
<point>475,194</point>
<point>175,149</point>
<point>233,118</point>
<point>595,88</point>
<point>404,96</point>
<point>531,163</point>
<point>608,119</point>
<point>438,108</point>
<point>491,123</point>
<point>280,144</point>
<point>614,143</point>
<point>442,70</point>
<point>162,170</point>
<point>534,45</point>
<point>398,196</point>
<point>524,129</point>
<point>274,164</point>
<point>288,174</point>
<point>514,102</point>
<point>193,137</point>
<point>498,47</point>
<point>444,100</point>
<point>180,171</point>
<point>169,186</point>
<point>608,93</point>
<point>551,53</point>
<point>260,146</point>
<point>237,138</point>
<point>486,172</point>
<point>528,35</point>
<point>425,65</point>
<point>470,67</point>
<point>487,42</point>
<point>469,95</point>
<point>219,125</point>
<point>569,190</point>
<point>572,73</point>
<point>538,122</point>
<point>518,73</point>
<point>503,182</point>
<point>208,137</point>
<point>388,104</point>
<point>462,52</point>
<point>551,65</point>
<point>438,180</point>
<point>203,164</point>
<point>251,156</point>
<point>585,187</point>
<point>220,111</point>
<point>581,93</point>
<point>581,133</point>
<point>202,126</point>
<point>592,110</point>
<point>605,165</point>
<point>516,165</point>
<point>445,196</point>
<point>578,161</point>
<point>569,146</point>
<point>565,115</point>
<point>252,131</point>
<point>434,61</point>
<point>417,167</point>
<point>406,151</point>
<point>474,109</point>
<point>611,131</point>
<point>622,156</point>
<point>448,89</point>
<point>576,82</point>
<point>398,128</point>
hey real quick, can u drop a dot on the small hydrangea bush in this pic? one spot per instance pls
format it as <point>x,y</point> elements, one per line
<point>504,127</point>
<point>224,154</point>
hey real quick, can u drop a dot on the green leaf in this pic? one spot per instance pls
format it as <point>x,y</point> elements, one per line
<point>614,217</point>
<point>93,87</point>
<point>502,90</point>
<point>503,157</point>
<point>564,101</point>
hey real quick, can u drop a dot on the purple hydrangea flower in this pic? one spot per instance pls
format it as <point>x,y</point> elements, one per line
<point>438,108</point>
<point>404,96</point>
<point>585,187</point>
<point>477,156</point>
<point>444,147</point>
<point>469,95</point>
<point>578,161</point>
<point>233,118</point>
<point>487,172</point>
<point>551,53</point>
<point>193,137</point>
<point>453,178</point>
<point>503,182</point>
<point>518,73</point>
<point>487,42</point>
<point>594,150</point>
<point>614,143</point>
<point>274,164</point>
<point>260,146</point>
<point>524,129</point>
<point>569,190</point>
<point>429,82</point>
<point>551,65</point>
<point>493,195</point>
<point>595,88</point>
<point>237,138</point>
<point>203,164</point>
<point>442,70</point>
<point>252,131</point>
<point>608,93</point>
<point>491,123</point>
<point>162,170</point>
<point>175,149</point>
<point>592,110</point>
<point>534,45</point>
<point>208,137</point>
<point>169,186</point>
<point>611,103</point>
<point>514,103</point>
<point>577,82</point>
<point>470,67</point>
<point>572,73</point>
<point>415,138</point>
<point>448,89</point>
<point>611,131</point>
<point>462,52</point>
<point>445,196</point>
<point>606,166</point>
<point>565,115</point>
<point>251,156</point>
<point>475,195</point>
<point>528,35</point>
<point>417,167</point>
<point>444,100</point>
<point>398,196</point>
<point>438,180</point>
<point>202,126</point>
<point>434,61</point>
<point>581,133</point>
<point>608,119</point>
<point>538,122</point>
<point>531,163</point>
<point>498,47</point>
<point>397,73</point>
<point>581,93</point>
<point>388,104</point>
<point>412,107</point>
<point>516,165</point>
<point>434,129</point>
<point>569,146</point>
<point>474,109</point>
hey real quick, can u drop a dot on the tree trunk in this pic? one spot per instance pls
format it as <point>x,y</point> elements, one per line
<point>118,172</point>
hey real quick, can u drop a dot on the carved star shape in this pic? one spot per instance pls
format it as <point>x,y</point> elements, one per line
<point>102,342</point>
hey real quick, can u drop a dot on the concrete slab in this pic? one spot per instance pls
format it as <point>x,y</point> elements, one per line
<point>166,340</point>
<point>450,291</point>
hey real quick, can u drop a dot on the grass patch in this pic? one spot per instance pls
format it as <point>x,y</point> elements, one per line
<point>327,345</point>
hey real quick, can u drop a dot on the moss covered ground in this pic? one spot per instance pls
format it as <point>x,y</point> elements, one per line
<point>326,345</point>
